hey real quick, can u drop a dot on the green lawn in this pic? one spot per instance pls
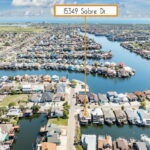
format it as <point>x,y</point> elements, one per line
<point>58,121</point>
<point>21,98</point>
<point>79,147</point>
<point>20,29</point>
<point>136,45</point>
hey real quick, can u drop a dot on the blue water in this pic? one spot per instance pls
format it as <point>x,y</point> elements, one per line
<point>126,131</point>
<point>141,80</point>
<point>29,130</point>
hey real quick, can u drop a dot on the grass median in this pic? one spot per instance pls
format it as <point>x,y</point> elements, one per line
<point>58,121</point>
<point>16,99</point>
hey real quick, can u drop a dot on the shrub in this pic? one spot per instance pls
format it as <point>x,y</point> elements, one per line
<point>73,83</point>
<point>79,147</point>
<point>11,104</point>
<point>143,104</point>
<point>35,108</point>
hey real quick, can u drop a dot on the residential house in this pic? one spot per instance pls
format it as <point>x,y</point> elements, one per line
<point>132,97</point>
<point>147,93</point>
<point>120,116</point>
<point>49,87</point>
<point>5,130</point>
<point>89,142</point>
<point>111,95</point>
<point>105,143</point>
<point>38,87</point>
<point>144,117</point>
<point>141,96</point>
<point>55,78</point>
<point>103,98</point>
<point>80,99</point>
<point>46,78</point>
<point>85,120</point>
<point>63,79</point>
<point>132,116</point>
<point>121,144</point>
<point>61,88</point>
<point>56,113</point>
<point>52,133</point>
<point>109,116</point>
<point>35,98</point>
<point>97,116</point>
<point>47,97</point>
<point>121,98</point>
<point>18,78</point>
<point>14,112</point>
<point>53,138</point>
<point>59,97</point>
<point>27,88</point>
<point>48,146</point>
<point>139,146</point>
<point>93,98</point>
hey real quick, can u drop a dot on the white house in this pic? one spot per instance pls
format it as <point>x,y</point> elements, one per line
<point>14,112</point>
<point>144,116</point>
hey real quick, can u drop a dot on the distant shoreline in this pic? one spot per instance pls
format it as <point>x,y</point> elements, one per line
<point>79,20</point>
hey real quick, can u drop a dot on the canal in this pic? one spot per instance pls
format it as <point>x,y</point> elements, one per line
<point>126,131</point>
<point>138,82</point>
<point>29,129</point>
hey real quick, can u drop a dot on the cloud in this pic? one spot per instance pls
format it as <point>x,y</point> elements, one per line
<point>42,9</point>
<point>36,7</point>
<point>37,3</point>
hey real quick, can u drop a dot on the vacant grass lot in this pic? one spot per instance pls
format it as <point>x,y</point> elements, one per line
<point>17,99</point>
<point>58,121</point>
<point>20,29</point>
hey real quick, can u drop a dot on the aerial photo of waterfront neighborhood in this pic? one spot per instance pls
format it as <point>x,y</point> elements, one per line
<point>54,96</point>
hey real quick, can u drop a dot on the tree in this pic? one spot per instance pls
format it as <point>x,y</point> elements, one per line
<point>35,108</point>
<point>14,92</point>
<point>10,78</point>
<point>122,107</point>
<point>143,104</point>
<point>79,147</point>
<point>73,83</point>
<point>66,106</point>
<point>3,110</point>
<point>12,104</point>
<point>49,110</point>
<point>6,44</point>
<point>4,120</point>
<point>65,114</point>
<point>66,110</point>
<point>22,107</point>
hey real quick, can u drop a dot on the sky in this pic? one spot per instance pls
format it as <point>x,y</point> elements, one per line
<point>42,10</point>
